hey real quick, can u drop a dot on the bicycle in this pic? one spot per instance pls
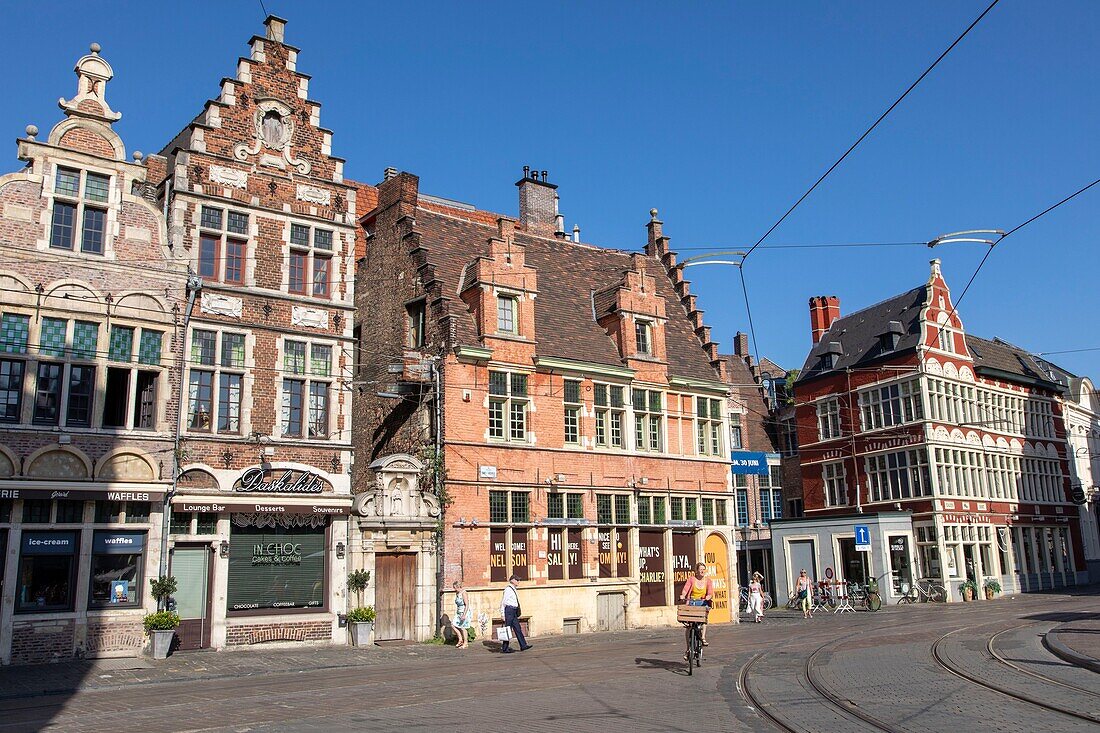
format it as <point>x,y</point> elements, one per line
<point>924,590</point>
<point>866,596</point>
<point>743,601</point>
<point>693,617</point>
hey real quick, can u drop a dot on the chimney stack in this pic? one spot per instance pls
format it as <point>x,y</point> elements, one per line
<point>741,344</point>
<point>276,28</point>
<point>824,309</point>
<point>538,206</point>
<point>389,173</point>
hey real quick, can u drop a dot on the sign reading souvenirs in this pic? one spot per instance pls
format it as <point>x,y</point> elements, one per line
<point>651,568</point>
<point>259,507</point>
<point>280,481</point>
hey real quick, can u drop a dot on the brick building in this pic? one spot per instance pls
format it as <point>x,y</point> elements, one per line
<point>949,448</point>
<point>90,298</point>
<point>258,207</point>
<point>574,399</point>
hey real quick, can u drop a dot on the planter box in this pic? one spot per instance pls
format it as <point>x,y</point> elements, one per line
<point>162,642</point>
<point>362,633</point>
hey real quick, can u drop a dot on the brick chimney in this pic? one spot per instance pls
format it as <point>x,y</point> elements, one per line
<point>741,344</point>
<point>538,203</point>
<point>824,309</point>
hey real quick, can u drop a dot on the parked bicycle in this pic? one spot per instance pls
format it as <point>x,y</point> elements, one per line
<point>743,601</point>
<point>866,596</point>
<point>923,591</point>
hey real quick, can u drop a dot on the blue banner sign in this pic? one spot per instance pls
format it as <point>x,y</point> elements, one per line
<point>746,462</point>
<point>118,543</point>
<point>49,543</point>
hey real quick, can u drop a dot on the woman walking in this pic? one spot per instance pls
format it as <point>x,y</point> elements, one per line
<point>802,588</point>
<point>756,597</point>
<point>461,620</point>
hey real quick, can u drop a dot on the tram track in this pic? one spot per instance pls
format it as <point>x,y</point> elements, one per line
<point>939,658</point>
<point>990,647</point>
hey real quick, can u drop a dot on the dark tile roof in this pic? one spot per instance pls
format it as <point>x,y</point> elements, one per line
<point>568,275</point>
<point>1008,359</point>
<point>858,333</point>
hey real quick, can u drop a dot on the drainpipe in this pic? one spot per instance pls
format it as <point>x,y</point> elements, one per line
<point>854,417</point>
<point>194,287</point>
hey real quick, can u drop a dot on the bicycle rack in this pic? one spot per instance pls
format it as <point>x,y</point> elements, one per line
<point>843,604</point>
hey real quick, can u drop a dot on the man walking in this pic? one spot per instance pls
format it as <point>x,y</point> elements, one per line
<point>509,611</point>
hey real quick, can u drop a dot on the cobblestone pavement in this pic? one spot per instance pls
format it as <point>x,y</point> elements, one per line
<point>1078,641</point>
<point>878,665</point>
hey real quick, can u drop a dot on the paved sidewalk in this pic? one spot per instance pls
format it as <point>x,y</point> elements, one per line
<point>1078,642</point>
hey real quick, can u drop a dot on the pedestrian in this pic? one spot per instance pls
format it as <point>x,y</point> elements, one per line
<point>461,621</point>
<point>510,612</point>
<point>756,597</point>
<point>802,587</point>
<point>697,591</point>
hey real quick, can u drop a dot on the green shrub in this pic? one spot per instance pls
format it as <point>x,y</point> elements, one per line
<point>161,621</point>
<point>361,615</point>
<point>968,584</point>
<point>992,584</point>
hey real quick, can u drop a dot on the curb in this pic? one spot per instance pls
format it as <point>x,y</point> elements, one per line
<point>1056,647</point>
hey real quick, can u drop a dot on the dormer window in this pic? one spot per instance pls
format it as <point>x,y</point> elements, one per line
<point>642,334</point>
<point>506,315</point>
<point>73,190</point>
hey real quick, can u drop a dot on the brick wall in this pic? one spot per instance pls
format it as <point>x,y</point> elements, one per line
<point>39,642</point>
<point>115,635</point>
<point>261,633</point>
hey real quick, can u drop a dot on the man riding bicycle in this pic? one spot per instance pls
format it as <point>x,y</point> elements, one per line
<point>698,591</point>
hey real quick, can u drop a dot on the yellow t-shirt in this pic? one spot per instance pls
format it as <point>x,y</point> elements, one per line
<point>698,591</point>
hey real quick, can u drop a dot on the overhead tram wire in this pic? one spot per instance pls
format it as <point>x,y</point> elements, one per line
<point>871,128</point>
<point>1003,237</point>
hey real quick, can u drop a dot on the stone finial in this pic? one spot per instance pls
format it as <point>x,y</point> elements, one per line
<point>95,48</point>
<point>653,214</point>
<point>32,130</point>
<point>92,73</point>
<point>935,268</point>
<point>137,156</point>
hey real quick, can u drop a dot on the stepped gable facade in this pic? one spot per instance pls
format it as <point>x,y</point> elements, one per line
<point>583,442</point>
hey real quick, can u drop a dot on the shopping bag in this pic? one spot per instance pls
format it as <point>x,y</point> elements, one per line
<point>504,633</point>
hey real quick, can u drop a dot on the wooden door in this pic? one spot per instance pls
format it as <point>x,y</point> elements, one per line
<point>395,596</point>
<point>610,613</point>
<point>191,568</point>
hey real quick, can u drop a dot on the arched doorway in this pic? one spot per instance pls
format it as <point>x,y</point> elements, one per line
<point>716,557</point>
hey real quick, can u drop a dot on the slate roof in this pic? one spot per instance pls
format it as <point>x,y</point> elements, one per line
<point>1004,357</point>
<point>858,333</point>
<point>569,273</point>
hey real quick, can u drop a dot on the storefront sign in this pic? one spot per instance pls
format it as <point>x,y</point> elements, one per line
<point>716,556</point>
<point>519,553</point>
<point>260,507</point>
<point>683,558</point>
<point>555,556</point>
<point>273,568</point>
<point>605,552</point>
<point>49,543</point>
<point>573,554</point>
<point>622,550</point>
<point>81,495</point>
<point>280,481</point>
<point>498,555</point>
<point>651,568</point>
<point>118,543</point>
<point>897,544</point>
<point>277,553</point>
<point>748,463</point>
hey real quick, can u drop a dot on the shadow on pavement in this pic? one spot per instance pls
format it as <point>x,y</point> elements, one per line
<point>675,667</point>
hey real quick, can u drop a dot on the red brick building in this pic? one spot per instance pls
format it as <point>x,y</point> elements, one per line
<point>90,299</point>
<point>258,207</point>
<point>575,401</point>
<point>900,410</point>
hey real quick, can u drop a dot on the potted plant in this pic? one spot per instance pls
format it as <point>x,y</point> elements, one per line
<point>968,588</point>
<point>161,626</point>
<point>360,618</point>
<point>992,587</point>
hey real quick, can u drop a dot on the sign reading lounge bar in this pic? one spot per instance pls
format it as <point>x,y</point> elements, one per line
<point>256,507</point>
<point>81,494</point>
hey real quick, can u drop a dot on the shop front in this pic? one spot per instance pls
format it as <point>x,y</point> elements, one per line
<point>262,563</point>
<point>832,548</point>
<point>75,569</point>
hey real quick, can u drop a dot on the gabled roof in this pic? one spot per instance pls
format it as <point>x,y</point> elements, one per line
<point>858,334</point>
<point>569,273</point>
<point>1010,361</point>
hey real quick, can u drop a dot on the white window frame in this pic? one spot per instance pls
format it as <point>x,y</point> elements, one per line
<point>308,378</point>
<point>828,419</point>
<point>80,202</point>
<point>509,405</point>
<point>216,370</point>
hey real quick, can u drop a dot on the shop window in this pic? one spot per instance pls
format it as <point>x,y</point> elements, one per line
<point>117,569</point>
<point>563,558</point>
<point>5,512</point>
<point>36,511</point>
<point>73,190</point>
<point>206,523</point>
<point>137,512</point>
<point>115,397</point>
<point>47,566</point>
<point>276,568</point>
<point>69,511</point>
<point>108,512</point>
<point>608,399</point>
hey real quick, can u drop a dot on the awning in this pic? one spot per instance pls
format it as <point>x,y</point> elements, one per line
<point>335,505</point>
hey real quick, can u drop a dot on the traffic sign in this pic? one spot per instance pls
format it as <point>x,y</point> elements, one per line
<point>863,537</point>
<point>829,573</point>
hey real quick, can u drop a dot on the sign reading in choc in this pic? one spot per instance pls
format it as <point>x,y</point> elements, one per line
<point>288,482</point>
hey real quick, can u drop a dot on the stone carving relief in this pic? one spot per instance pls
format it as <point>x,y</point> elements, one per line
<point>273,124</point>
<point>309,317</point>
<point>396,495</point>
<point>314,195</point>
<point>222,305</point>
<point>228,176</point>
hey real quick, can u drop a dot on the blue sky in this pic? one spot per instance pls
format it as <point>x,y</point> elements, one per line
<point>718,114</point>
